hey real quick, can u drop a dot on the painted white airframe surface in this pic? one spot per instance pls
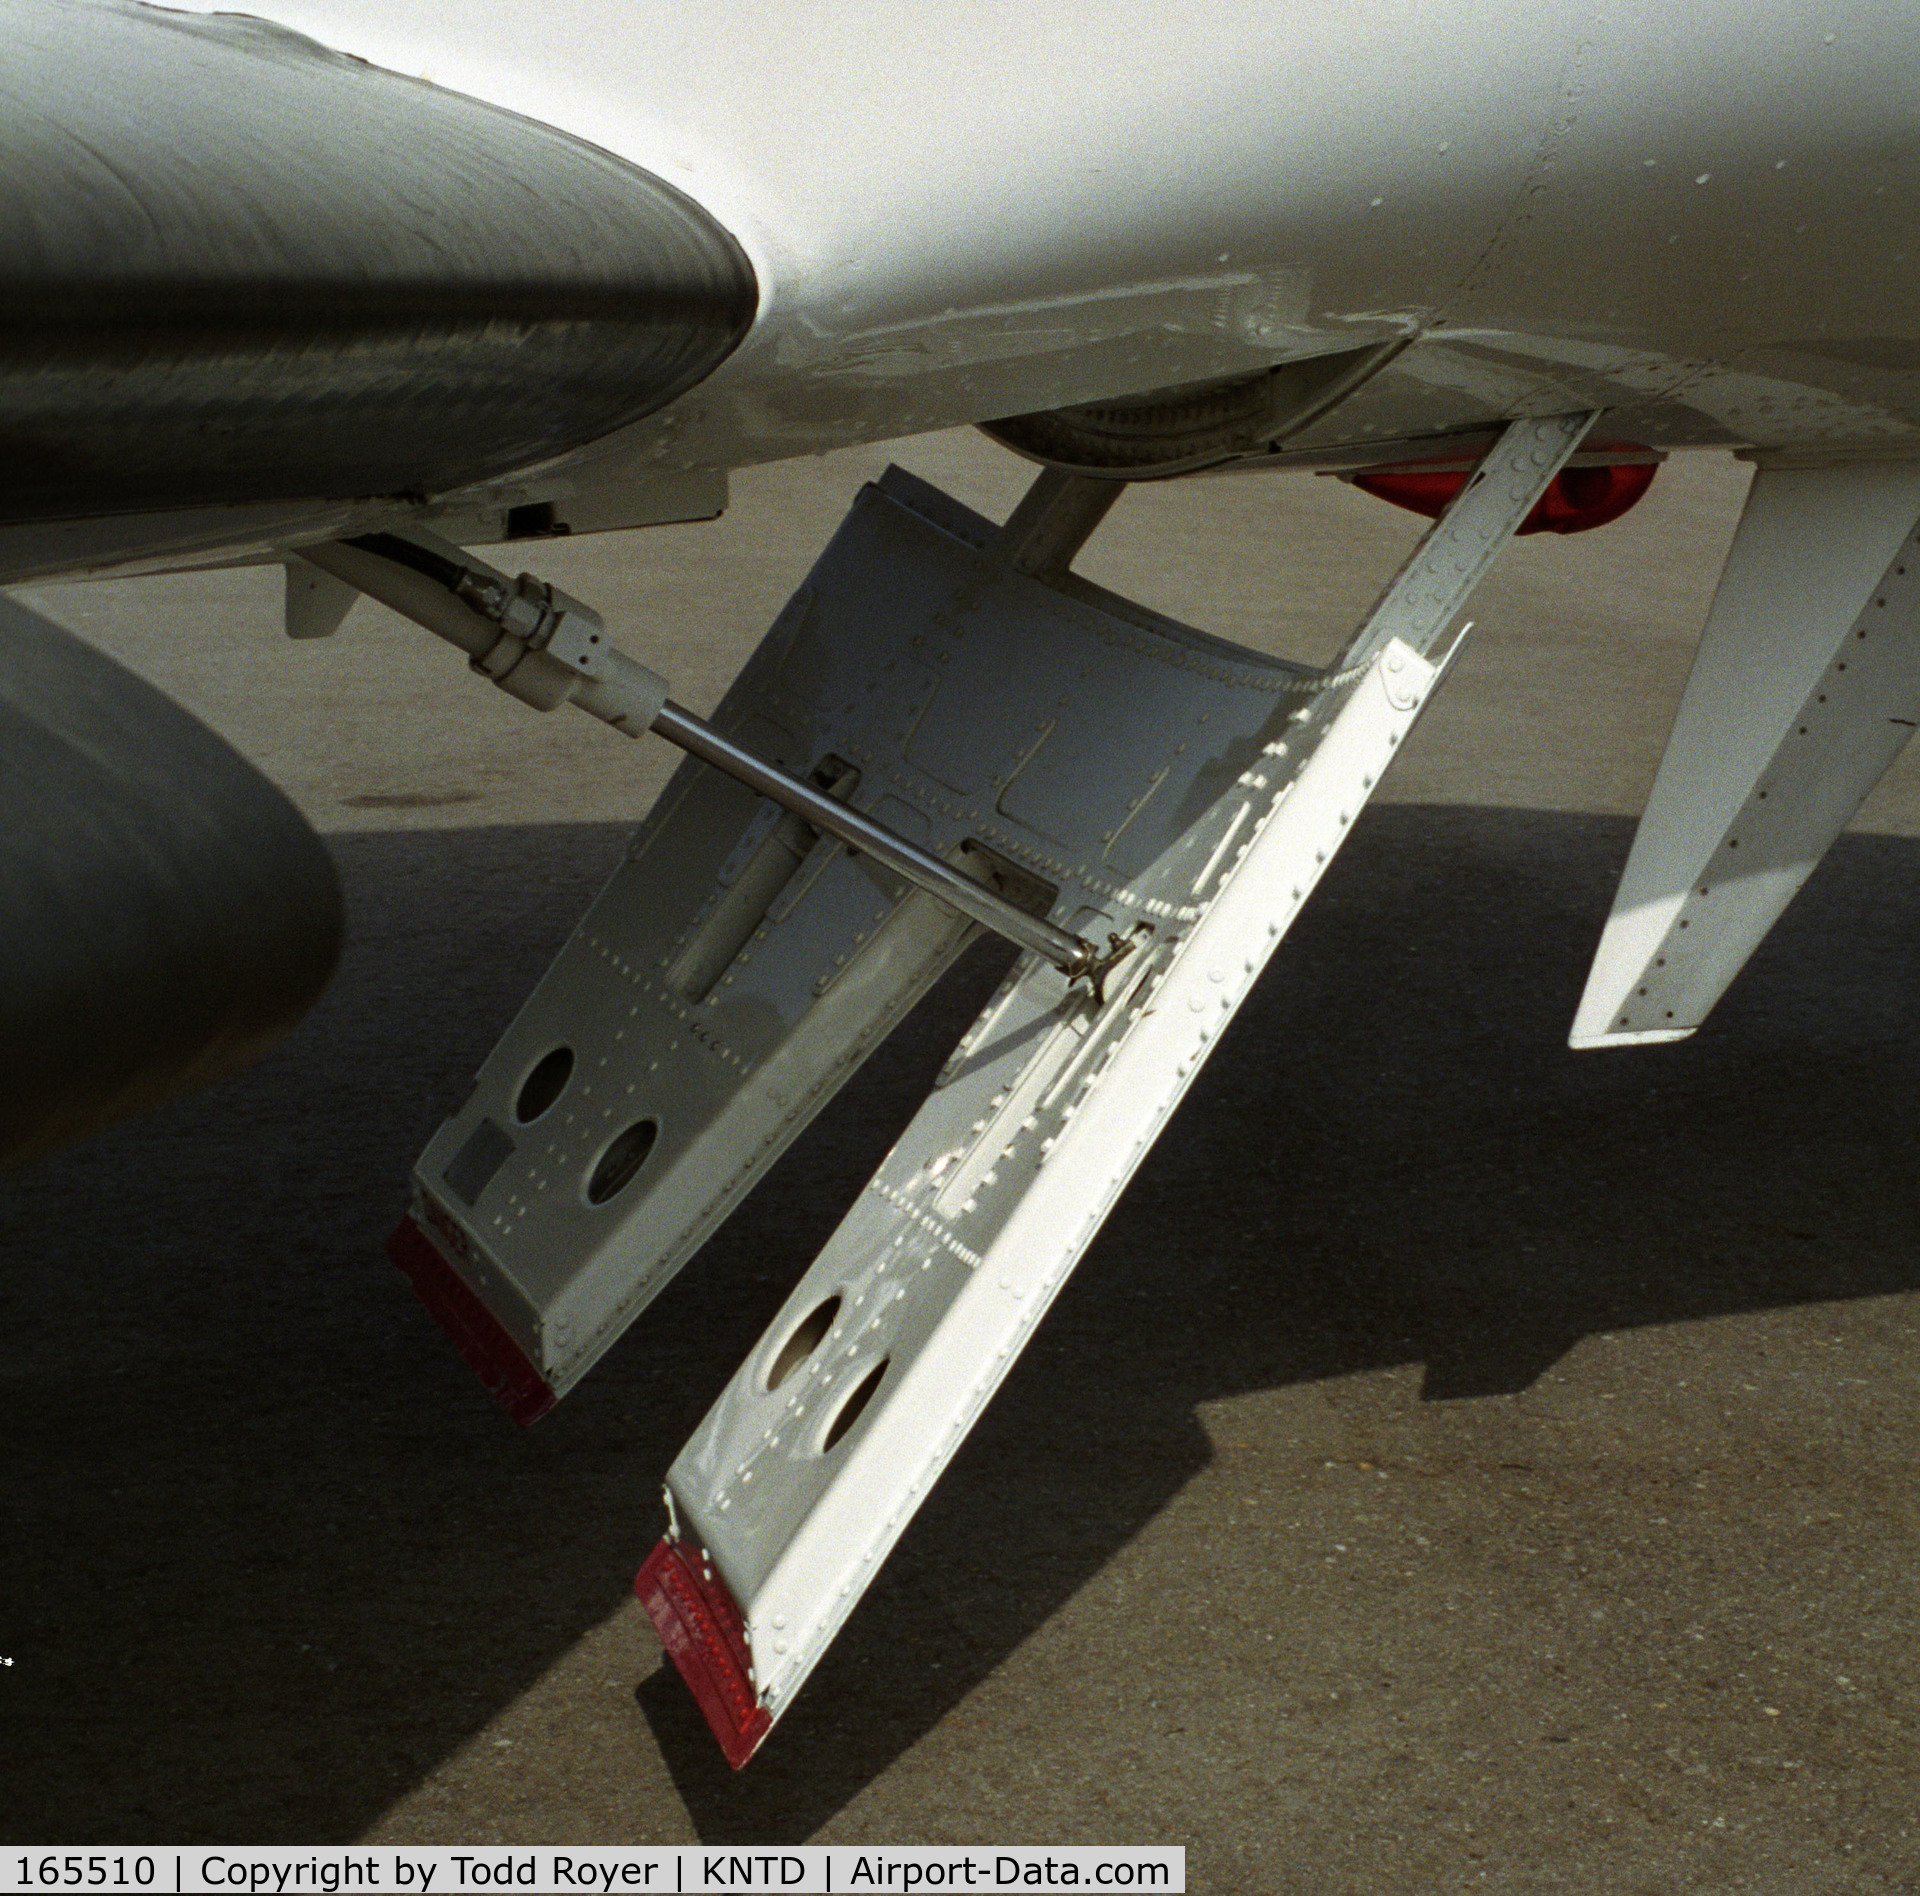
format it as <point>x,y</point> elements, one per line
<point>1701,218</point>
<point>1805,689</point>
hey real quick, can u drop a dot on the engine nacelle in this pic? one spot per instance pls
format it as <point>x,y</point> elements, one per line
<point>165,912</point>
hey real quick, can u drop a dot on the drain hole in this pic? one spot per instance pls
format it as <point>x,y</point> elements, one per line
<point>854,1406</point>
<point>806,1338</point>
<point>621,1160</point>
<point>544,1085</point>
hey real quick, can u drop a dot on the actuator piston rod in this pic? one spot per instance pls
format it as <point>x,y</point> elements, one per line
<point>547,649</point>
<point>1071,954</point>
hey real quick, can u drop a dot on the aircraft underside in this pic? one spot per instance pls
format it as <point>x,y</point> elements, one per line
<point>450,324</point>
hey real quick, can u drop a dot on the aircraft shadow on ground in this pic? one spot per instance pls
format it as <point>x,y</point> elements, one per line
<point>271,1558</point>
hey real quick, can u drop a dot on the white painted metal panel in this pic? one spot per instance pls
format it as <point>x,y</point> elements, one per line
<point>1806,688</point>
<point>1200,833</point>
<point>736,970</point>
<point>938,1276</point>
<point>1700,216</point>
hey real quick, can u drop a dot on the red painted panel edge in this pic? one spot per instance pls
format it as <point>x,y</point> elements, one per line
<point>706,1639</point>
<point>477,1334</point>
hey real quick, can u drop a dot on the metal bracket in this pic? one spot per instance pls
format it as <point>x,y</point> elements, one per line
<point>1105,771</point>
<point>809,1466</point>
<point>1805,689</point>
<point>1443,571</point>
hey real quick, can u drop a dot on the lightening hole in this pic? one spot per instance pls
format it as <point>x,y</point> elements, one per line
<point>808,1334</point>
<point>544,1085</point>
<point>621,1160</point>
<point>854,1406</point>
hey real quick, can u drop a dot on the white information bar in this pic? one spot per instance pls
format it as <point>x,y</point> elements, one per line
<point>834,1870</point>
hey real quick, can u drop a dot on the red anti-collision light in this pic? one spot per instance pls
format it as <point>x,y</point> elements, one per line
<point>1577,498</point>
<point>706,1639</point>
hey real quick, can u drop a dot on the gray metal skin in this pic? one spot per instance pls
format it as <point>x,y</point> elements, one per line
<point>167,913</point>
<point>238,268</point>
<point>264,290</point>
<point>806,1470</point>
<point>244,278</point>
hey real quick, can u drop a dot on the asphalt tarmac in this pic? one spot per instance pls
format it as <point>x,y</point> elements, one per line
<point>1459,1464</point>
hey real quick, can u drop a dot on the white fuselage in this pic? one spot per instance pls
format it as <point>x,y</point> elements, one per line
<point>1703,219</point>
